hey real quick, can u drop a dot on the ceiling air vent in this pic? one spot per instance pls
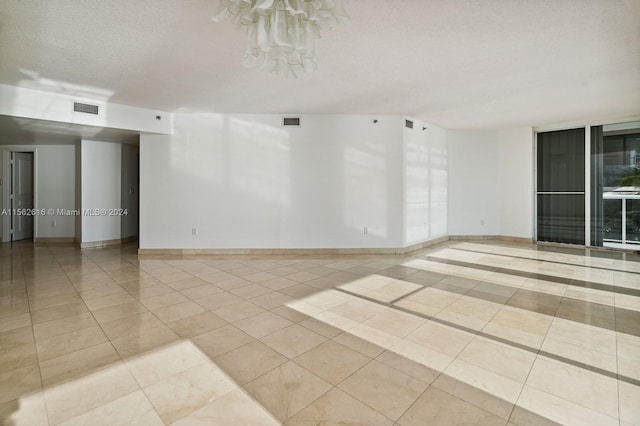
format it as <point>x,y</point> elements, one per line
<point>85,108</point>
<point>291,121</point>
<point>408,123</point>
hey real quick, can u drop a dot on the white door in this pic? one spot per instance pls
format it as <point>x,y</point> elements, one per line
<point>22,195</point>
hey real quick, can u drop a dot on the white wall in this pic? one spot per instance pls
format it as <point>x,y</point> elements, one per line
<point>55,188</point>
<point>101,189</point>
<point>474,183</point>
<point>425,182</point>
<point>36,104</point>
<point>130,190</point>
<point>244,181</point>
<point>491,182</point>
<point>516,165</point>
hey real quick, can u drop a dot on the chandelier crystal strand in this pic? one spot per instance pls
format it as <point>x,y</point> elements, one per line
<point>281,33</point>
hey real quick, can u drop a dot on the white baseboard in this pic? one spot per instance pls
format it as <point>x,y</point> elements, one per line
<point>291,251</point>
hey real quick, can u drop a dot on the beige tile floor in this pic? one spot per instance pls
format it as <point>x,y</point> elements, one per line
<point>461,333</point>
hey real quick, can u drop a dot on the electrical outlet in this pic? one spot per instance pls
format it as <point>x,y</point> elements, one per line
<point>53,223</point>
<point>194,231</point>
<point>366,230</point>
<point>481,221</point>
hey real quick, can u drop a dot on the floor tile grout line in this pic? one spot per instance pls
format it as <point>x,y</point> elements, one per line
<point>544,248</point>
<point>618,378</point>
<point>549,260</point>
<point>586,302</point>
<point>33,333</point>
<point>482,333</point>
<point>515,257</point>
<point>318,377</point>
<point>429,385</point>
<point>513,296</point>
<point>370,360</point>
<point>612,288</point>
<point>124,361</point>
<point>337,385</point>
<point>564,248</point>
<point>89,311</point>
<point>542,353</point>
<point>501,340</point>
<point>479,333</point>
<point>537,355</point>
<point>539,352</point>
<point>453,359</point>
<point>411,293</point>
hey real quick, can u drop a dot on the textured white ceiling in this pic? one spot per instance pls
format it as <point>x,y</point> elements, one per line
<point>456,63</point>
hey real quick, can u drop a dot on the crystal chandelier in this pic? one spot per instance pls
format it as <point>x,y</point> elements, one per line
<point>281,33</point>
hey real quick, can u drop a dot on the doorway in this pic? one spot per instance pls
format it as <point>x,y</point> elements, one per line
<point>621,187</point>
<point>18,196</point>
<point>560,186</point>
<point>588,186</point>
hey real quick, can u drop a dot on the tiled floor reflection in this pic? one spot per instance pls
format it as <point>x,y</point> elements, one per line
<point>461,333</point>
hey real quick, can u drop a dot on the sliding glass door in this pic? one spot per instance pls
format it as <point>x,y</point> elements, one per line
<point>621,188</point>
<point>588,186</point>
<point>561,186</point>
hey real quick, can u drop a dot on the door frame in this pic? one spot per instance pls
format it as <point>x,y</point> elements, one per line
<point>587,181</point>
<point>587,171</point>
<point>6,187</point>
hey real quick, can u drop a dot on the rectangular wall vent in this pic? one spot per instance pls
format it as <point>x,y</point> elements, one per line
<point>291,121</point>
<point>85,108</point>
<point>408,123</point>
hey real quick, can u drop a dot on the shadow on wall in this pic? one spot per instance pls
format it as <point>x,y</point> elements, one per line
<point>309,187</point>
<point>367,190</point>
<point>426,188</point>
